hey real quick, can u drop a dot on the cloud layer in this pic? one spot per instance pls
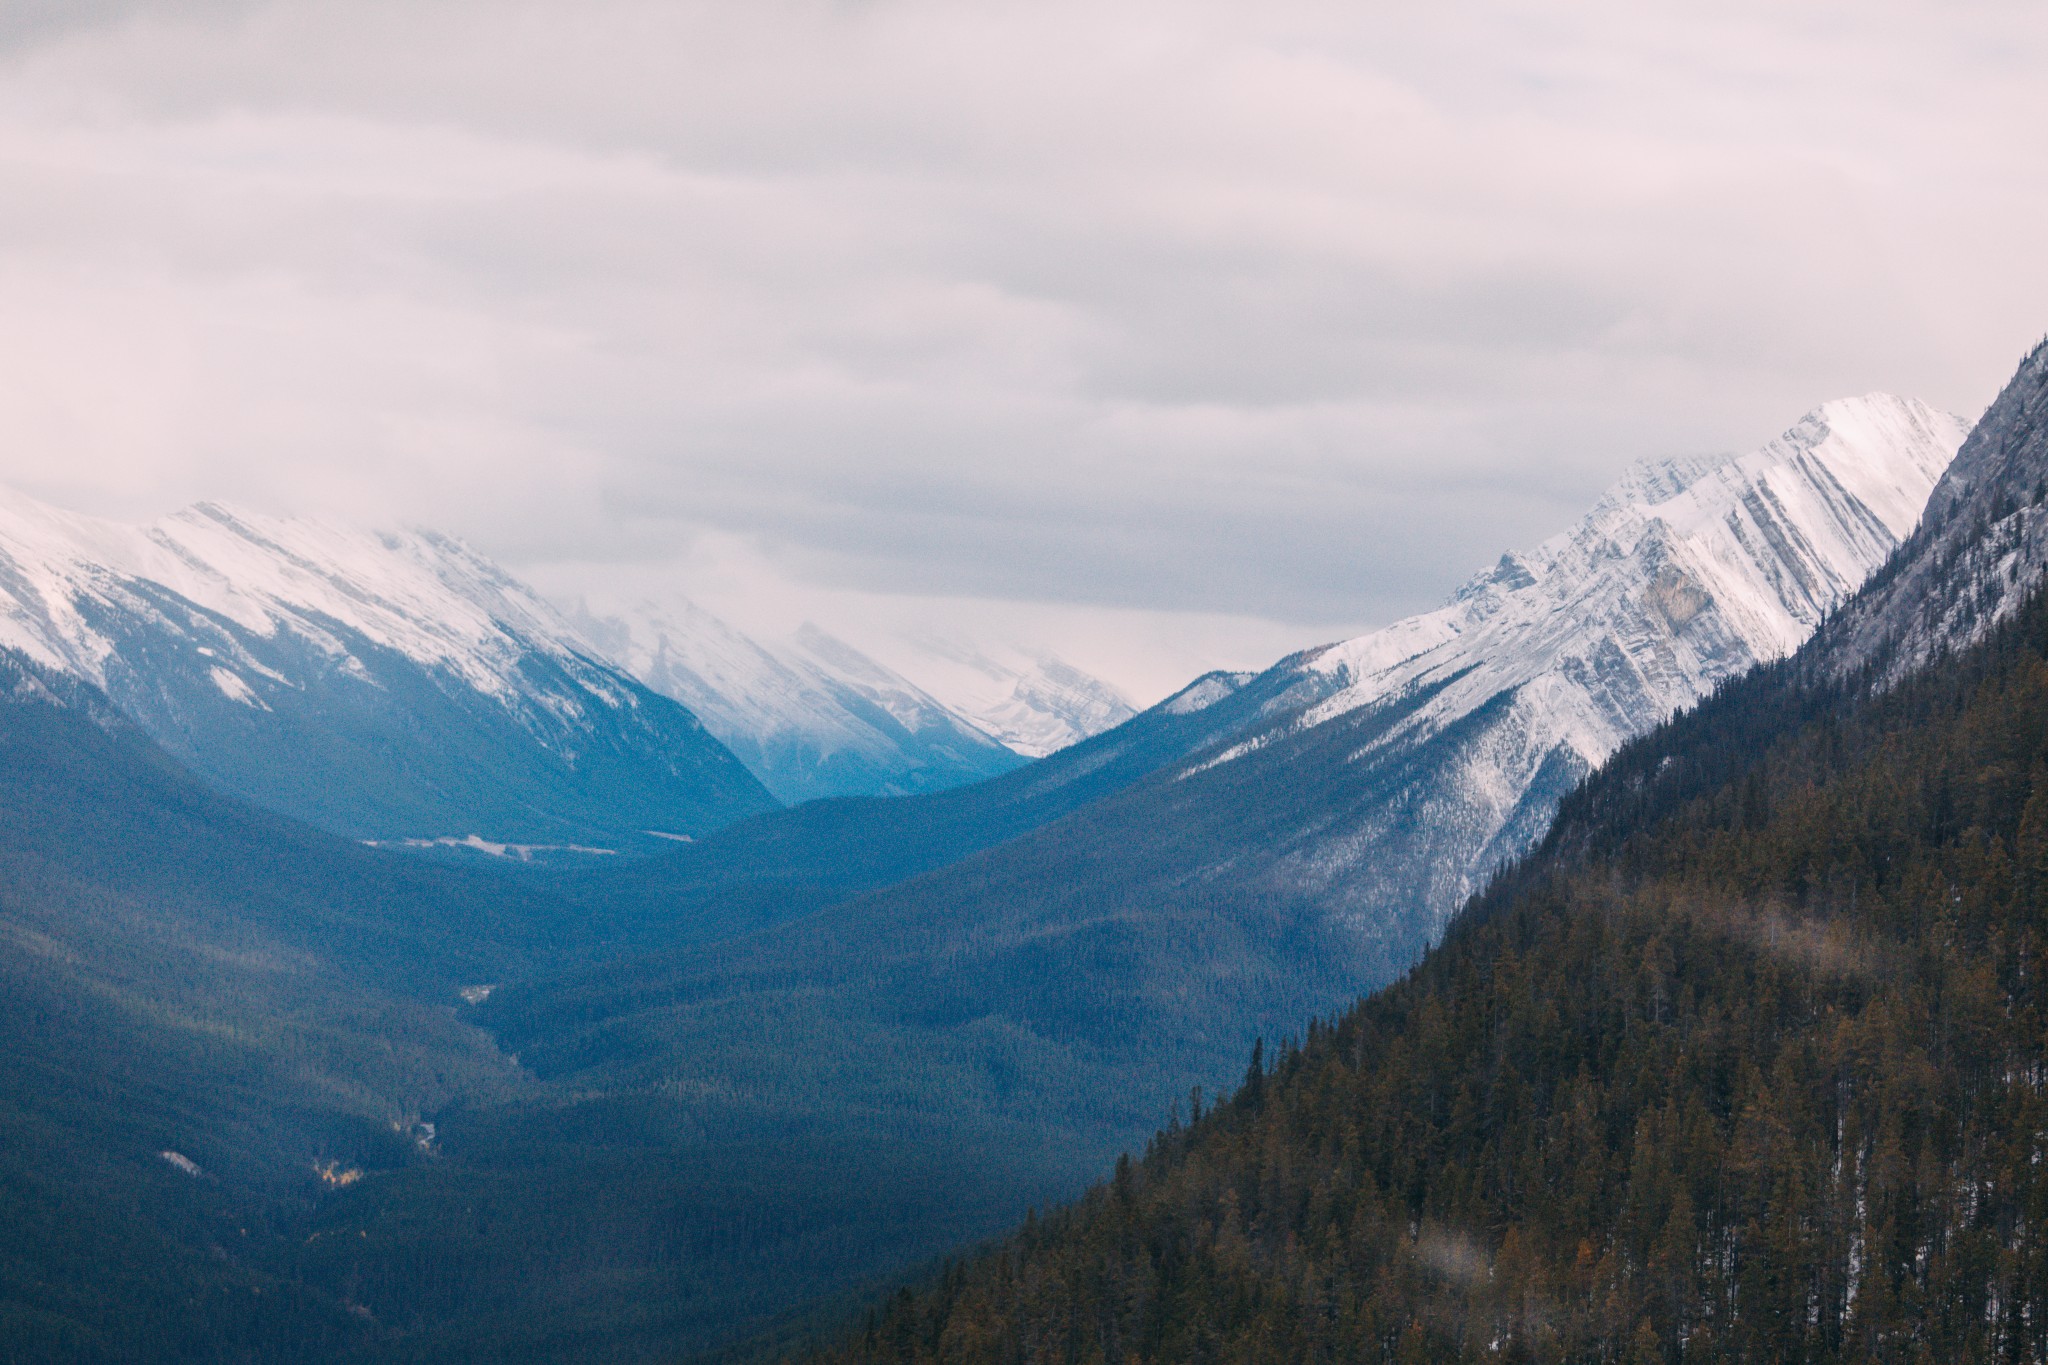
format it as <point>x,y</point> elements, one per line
<point>1097,314</point>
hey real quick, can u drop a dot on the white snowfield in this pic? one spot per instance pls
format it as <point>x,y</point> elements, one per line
<point>64,578</point>
<point>1686,573</point>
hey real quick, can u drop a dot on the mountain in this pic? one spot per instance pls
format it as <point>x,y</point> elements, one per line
<point>1742,1064</point>
<point>1383,778</point>
<point>1437,748</point>
<point>383,686</point>
<point>1066,984</point>
<point>814,717</point>
<point>1991,537</point>
<point>1033,701</point>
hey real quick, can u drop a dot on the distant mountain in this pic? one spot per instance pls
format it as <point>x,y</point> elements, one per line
<point>814,717</point>
<point>384,686</point>
<point>1033,701</point>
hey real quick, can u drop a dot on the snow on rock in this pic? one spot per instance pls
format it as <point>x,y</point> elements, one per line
<point>1459,729</point>
<point>1982,551</point>
<point>423,595</point>
<point>1685,573</point>
<point>1204,692</point>
<point>234,689</point>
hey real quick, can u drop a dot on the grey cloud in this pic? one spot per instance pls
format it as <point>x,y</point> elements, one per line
<point>1300,313</point>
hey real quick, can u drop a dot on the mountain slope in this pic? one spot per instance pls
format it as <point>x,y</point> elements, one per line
<point>201,1006</point>
<point>1447,739</point>
<point>783,865</point>
<point>1743,1065</point>
<point>1955,580</point>
<point>381,686</point>
<point>1366,784</point>
<point>1381,779</point>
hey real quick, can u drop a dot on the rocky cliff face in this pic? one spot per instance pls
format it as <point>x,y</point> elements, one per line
<point>1983,546</point>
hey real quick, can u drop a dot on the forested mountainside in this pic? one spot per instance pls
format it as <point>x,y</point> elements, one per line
<point>210,1019</point>
<point>780,866</point>
<point>1746,1063</point>
<point>379,686</point>
<point>253,1074</point>
<point>355,1170</point>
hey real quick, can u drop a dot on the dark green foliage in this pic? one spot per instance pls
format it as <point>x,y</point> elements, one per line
<point>1750,1064</point>
<point>182,973</point>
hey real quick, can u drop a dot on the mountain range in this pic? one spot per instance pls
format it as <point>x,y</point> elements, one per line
<point>295,1098</point>
<point>816,717</point>
<point>380,686</point>
<point>1440,746</point>
<point>400,687</point>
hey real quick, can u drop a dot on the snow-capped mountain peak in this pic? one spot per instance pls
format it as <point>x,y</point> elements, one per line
<point>810,715</point>
<point>1685,571</point>
<point>426,596</point>
<point>815,716</point>
<point>385,684</point>
<point>1440,745</point>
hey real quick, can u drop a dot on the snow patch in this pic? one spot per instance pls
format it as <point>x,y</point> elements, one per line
<point>476,843</point>
<point>1202,694</point>
<point>235,688</point>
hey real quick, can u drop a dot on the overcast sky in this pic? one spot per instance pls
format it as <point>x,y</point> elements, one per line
<point>1166,334</point>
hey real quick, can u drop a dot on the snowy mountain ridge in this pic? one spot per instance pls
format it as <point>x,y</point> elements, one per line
<point>383,685</point>
<point>1451,735</point>
<point>98,599</point>
<point>426,596</point>
<point>1970,568</point>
